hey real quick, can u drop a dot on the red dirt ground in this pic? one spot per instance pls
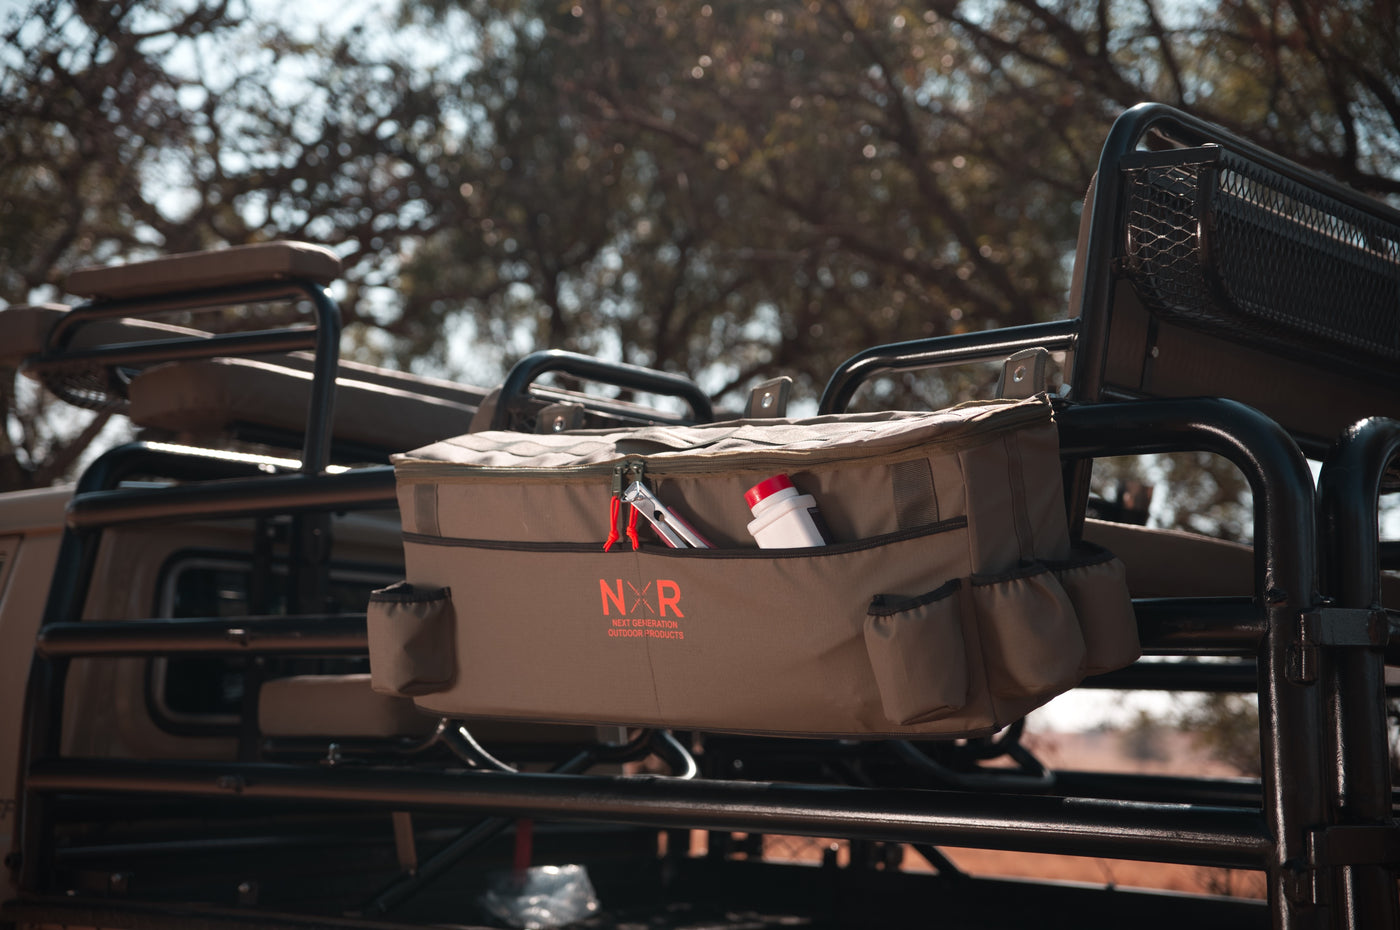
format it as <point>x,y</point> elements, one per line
<point>1175,754</point>
<point>1172,753</point>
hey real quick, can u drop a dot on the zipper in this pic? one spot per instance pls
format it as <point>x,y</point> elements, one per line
<point>619,482</point>
<point>699,463</point>
<point>871,542</point>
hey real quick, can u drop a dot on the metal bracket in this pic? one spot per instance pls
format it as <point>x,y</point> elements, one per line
<point>1024,374</point>
<point>1336,847</point>
<point>1343,626</point>
<point>1354,844</point>
<point>559,418</point>
<point>769,399</point>
<point>1333,626</point>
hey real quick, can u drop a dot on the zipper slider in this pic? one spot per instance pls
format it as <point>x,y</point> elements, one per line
<point>639,471</point>
<point>615,505</point>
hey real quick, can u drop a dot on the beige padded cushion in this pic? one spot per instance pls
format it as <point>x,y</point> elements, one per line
<point>336,705</point>
<point>345,706</point>
<point>374,406</point>
<point>377,408</point>
<point>244,264</point>
<point>387,377</point>
<point>25,329</point>
<point>1170,563</point>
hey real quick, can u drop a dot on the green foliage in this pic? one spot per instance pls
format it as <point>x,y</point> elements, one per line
<point>1227,725</point>
<point>728,190</point>
<point>719,188</point>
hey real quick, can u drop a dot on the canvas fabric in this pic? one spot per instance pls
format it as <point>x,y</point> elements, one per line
<point>949,601</point>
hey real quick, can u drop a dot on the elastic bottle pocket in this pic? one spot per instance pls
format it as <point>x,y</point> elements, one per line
<point>411,639</point>
<point>1097,584</point>
<point>916,651</point>
<point>1032,644</point>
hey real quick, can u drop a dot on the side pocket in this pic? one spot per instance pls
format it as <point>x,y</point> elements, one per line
<point>411,639</point>
<point>1097,584</point>
<point>1031,640</point>
<point>916,651</point>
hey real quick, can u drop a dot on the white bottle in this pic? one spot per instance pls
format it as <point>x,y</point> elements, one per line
<point>783,519</point>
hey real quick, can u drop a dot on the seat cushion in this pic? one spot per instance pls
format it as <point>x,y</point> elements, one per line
<point>1171,563</point>
<point>345,706</point>
<point>171,274</point>
<point>336,705</point>
<point>24,331</point>
<point>373,407</point>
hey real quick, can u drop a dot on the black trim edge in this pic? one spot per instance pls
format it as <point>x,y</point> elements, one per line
<point>887,605</point>
<point>401,592</point>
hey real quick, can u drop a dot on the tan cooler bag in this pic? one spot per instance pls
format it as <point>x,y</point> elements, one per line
<point>947,601</point>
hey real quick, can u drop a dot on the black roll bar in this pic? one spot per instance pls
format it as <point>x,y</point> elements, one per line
<point>528,369</point>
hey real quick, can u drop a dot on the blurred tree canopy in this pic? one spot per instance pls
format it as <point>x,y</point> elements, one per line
<point>724,189</point>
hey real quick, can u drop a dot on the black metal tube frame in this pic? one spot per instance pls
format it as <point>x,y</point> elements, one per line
<point>1218,836</point>
<point>1284,567</point>
<point>936,351</point>
<point>1171,127</point>
<point>77,550</point>
<point>332,634</point>
<point>223,488</point>
<point>1215,626</point>
<point>1353,677</point>
<point>1221,836</point>
<point>362,488</point>
<point>1296,880</point>
<point>1290,707</point>
<point>1162,126</point>
<point>325,341</point>
<point>528,369</point>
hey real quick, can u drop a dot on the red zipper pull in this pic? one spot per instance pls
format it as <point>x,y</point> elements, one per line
<point>613,535</point>
<point>632,528</point>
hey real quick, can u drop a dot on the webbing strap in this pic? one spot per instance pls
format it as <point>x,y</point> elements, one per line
<point>915,501</point>
<point>425,509</point>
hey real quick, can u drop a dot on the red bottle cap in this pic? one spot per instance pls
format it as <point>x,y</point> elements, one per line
<point>766,488</point>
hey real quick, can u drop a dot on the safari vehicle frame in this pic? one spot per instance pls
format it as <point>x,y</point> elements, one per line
<point>1171,351</point>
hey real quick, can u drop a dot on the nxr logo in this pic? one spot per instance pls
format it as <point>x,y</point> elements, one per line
<point>628,600</point>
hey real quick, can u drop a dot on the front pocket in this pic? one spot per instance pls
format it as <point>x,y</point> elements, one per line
<point>1032,644</point>
<point>739,641</point>
<point>1097,584</point>
<point>410,639</point>
<point>917,653</point>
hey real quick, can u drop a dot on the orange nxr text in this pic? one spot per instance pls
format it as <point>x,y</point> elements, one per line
<point>668,597</point>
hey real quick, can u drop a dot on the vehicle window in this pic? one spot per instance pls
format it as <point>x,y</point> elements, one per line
<point>205,694</point>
